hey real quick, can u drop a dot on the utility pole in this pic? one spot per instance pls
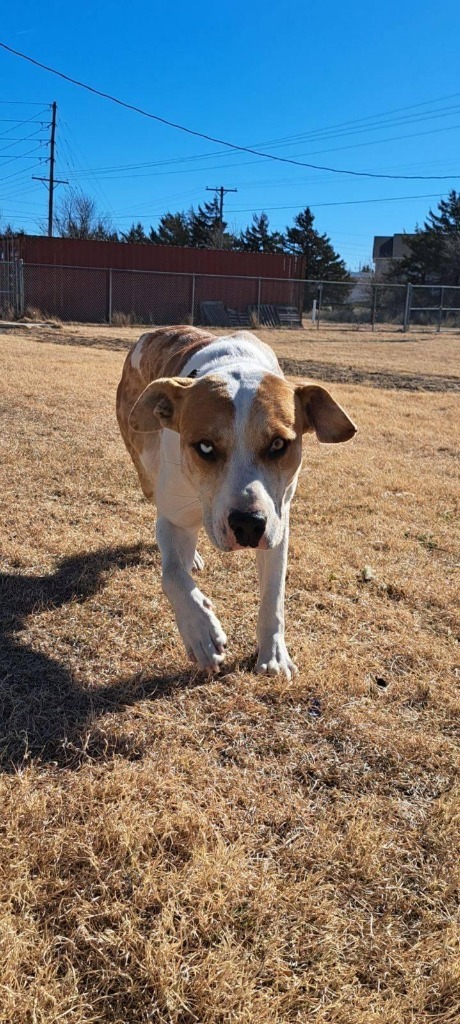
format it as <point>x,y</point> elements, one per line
<point>222,192</point>
<point>50,180</point>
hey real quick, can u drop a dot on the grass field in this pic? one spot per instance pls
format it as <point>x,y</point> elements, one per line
<point>177,849</point>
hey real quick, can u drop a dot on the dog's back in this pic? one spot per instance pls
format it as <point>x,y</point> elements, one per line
<point>159,353</point>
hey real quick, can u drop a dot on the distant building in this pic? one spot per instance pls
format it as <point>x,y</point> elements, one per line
<point>388,248</point>
<point>360,290</point>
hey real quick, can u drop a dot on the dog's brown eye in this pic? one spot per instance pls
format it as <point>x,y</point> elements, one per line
<point>277,447</point>
<point>205,449</point>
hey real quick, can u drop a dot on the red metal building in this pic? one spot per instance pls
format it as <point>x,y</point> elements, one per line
<point>85,280</point>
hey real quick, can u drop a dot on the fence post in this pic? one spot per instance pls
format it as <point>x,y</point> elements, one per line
<point>407,308</point>
<point>21,288</point>
<point>15,288</point>
<point>109,311</point>
<point>16,291</point>
<point>374,305</point>
<point>318,308</point>
<point>259,285</point>
<point>440,310</point>
<point>192,301</point>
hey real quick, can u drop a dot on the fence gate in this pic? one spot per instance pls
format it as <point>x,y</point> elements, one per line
<point>11,287</point>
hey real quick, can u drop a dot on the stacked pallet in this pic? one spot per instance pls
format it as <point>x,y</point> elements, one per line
<point>214,314</point>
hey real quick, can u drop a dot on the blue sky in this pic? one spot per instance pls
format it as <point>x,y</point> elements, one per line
<point>358,86</point>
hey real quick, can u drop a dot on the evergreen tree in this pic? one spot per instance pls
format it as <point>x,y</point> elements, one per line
<point>322,263</point>
<point>452,260</point>
<point>259,238</point>
<point>434,255</point>
<point>205,227</point>
<point>173,229</point>
<point>104,232</point>
<point>447,221</point>
<point>423,261</point>
<point>136,233</point>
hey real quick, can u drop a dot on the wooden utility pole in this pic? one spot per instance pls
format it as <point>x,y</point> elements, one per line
<point>50,180</point>
<point>221,192</point>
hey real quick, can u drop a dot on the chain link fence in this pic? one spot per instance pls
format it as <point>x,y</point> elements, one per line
<point>434,306</point>
<point>11,289</point>
<point>124,297</point>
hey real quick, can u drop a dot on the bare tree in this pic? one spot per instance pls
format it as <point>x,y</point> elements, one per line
<point>8,231</point>
<point>78,217</point>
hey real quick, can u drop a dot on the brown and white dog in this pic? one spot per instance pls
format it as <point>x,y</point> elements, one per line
<point>215,432</point>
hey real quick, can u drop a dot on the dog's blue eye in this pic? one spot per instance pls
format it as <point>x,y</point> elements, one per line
<point>278,446</point>
<point>205,449</point>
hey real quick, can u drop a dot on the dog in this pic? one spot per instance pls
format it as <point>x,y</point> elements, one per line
<point>215,432</point>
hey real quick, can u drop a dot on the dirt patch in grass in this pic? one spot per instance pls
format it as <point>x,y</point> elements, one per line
<point>177,849</point>
<point>375,379</point>
<point>415,353</point>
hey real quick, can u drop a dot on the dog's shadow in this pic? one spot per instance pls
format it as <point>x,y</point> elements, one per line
<point>44,713</point>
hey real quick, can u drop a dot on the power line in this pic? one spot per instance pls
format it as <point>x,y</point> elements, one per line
<point>69,149</point>
<point>222,142</point>
<point>20,123</point>
<point>16,138</point>
<point>14,120</point>
<point>362,120</point>
<point>195,170</point>
<point>17,196</point>
<point>18,174</point>
<point>392,138</point>
<point>313,206</point>
<point>24,139</point>
<point>324,134</point>
<point>284,141</point>
<point>344,202</point>
<point>167,199</point>
<point>23,103</point>
<point>317,135</point>
<point>21,156</point>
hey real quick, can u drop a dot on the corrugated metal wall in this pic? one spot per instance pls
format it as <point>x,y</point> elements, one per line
<point>76,279</point>
<point>77,252</point>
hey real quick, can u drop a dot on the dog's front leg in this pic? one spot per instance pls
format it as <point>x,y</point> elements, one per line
<point>273,653</point>
<point>199,628</point>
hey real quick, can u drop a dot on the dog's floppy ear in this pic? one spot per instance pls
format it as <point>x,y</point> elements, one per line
<point>321,414</point>
<point>159,405</point>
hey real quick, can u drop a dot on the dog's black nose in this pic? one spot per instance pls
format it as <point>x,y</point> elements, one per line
<point>248,527</point>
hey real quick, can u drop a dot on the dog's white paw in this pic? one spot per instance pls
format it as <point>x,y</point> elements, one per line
<point>202,633</point>
<point>273,659</point>
<point>198,562</point>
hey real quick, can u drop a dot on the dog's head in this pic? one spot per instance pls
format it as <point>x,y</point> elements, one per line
<point>241,445</point>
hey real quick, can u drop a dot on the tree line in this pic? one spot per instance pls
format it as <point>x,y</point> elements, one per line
<point>202,228</point>
<point>433,249</point>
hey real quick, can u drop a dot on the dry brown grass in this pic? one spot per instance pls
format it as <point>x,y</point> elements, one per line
<point>179,850</point>
<point>387,350</point>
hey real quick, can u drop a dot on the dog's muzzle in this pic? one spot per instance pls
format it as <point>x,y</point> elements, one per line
<point>248,527</point>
